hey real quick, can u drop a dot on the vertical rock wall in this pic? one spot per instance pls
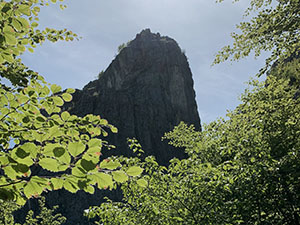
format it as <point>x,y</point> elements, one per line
<point>145,92</point>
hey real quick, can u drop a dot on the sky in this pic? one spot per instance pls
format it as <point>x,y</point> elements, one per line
<point>200,27</point>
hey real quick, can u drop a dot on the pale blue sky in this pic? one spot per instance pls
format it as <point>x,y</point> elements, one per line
<point>201,28</point>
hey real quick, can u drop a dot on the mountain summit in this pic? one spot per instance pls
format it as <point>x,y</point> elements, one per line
<point>144,92</point>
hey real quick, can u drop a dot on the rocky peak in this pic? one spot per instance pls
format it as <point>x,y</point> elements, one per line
<point>145,92</point>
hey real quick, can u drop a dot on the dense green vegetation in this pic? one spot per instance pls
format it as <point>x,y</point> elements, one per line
<point>34,133</point>
<point>44,217</point>
<point>243,170</point>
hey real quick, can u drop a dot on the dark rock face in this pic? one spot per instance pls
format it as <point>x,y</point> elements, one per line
<point>145,92</point>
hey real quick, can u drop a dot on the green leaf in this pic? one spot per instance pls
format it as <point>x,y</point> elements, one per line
<point>20,153</point>
<point>34,24</point>
<point>58,101</point>
<point>89,189</point>
<point>22,156</point>
<point>57,119</point>
<point>67,97</point>
<point>30,50</point>
<point>57,183</point>
<point>178,218</point>
<point>59,151</point>
<point>17,24</point>
<point>94,142</point>
<point>134,171</point>
<point>65,115</point>
<point>94,151</point>
<point>6,195</point>
<point>21,48</point>
<point>109,164</point>
<point>36,9</point>
<point>21,168</point>
<point>4,160</point>
<point>7,57</point>
<point>120,176</point>
<point>114,129</point>
<point>103,122</point>
<point>10,172</point>
<point>52,165</point>
<point>103,180</point>
<point>55,88</point>
<point>8,29</point>
<point>10,39</point>
<point>70,90</point>
<point>71,185</point>
<point>78,172</point>
<point>23,99</point>
<point>41,119</point>
<point>48,149</point>
<point>87,165</point>
<point>25,25</point>
<point>76,148</point>
<point>142,182</point>
<point>24,9</point>
<point>2,60</point>
<point>83,185</point>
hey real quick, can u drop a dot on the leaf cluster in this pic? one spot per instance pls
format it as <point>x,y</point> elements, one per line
<point>41,147</point>
<point>46,216</point>
<point>274,29</point>
<point>19,32</point>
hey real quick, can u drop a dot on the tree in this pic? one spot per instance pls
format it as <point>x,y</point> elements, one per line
<point>244,170</point>
<point>274,29</point>
<point>35,134</point>
<point>44,217</point>
<point>123,45</point>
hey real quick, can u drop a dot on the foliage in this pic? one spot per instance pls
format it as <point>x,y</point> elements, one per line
<point>100,74</point>
<point>275,28</point>
<point>241,171</point>
<point>35,135</point>
<point>19,32</point>
<point>123,45</point>
<point>46,216</point>
<point>244,170</point>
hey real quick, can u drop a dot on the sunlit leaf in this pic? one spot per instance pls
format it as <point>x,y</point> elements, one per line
<point>134,171</point>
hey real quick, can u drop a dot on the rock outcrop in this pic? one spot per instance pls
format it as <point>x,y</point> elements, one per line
<point>145,92</point>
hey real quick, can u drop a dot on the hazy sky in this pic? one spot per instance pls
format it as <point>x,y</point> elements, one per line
<point>201,28</point>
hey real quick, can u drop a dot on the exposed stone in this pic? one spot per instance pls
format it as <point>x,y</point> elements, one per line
<point>145,92</point>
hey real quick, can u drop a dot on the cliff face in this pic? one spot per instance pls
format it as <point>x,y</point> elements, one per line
<point>145,92</point>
